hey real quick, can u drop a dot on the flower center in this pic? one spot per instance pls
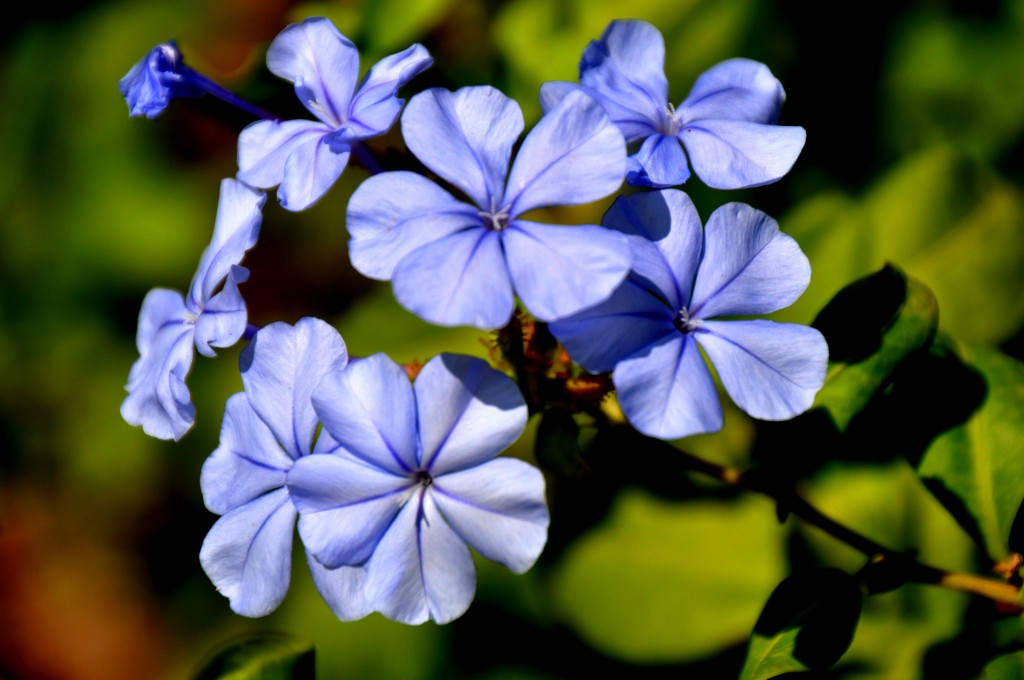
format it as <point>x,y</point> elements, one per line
<point>423,477</point>
<point>683,322</point>
<point>495,219</point>
<point>672,120</point>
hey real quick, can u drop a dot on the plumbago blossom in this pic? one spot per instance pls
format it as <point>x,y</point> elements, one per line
<point>213,315</point>
<point>651,330</point>
<point>306,157</point>
<point>158,78</point>
<point>454,262</point>
<point>266,429</point>
<point>726,123</point>
<point>415,481</point>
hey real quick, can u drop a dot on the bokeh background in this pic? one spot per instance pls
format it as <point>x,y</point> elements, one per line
<point>914,112</point>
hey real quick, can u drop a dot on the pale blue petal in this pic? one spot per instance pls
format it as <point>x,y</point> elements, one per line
<point>341,588</point>
<point>309,172</point>
<point>498,508</point>
<point>736,89</point>
<point>666,390</point>
<point>559,270</point>
<point>459,280</point>
<point>264,148</point>
<point>467,412</point>
<point>345,506</point>
<point>659,163</point>
<point>599,337</point>
<point>625,70</point>
<point>669,221</point>
<point>574,155</point>
<point>728,154</point>
<point>248,462</point>
<point>370,410</point>
<point>466,137</point>
<point>375,106</point>
<point>235,231</point>
<point>281,366</point>
<point>158,399</point>
<point>323,64</point>
<point>749,266</point>
<point>771,370</point>
<point>248,554</point>
<point>393,213</point>
<point>554,91</point>
<point>421,569</point>
<point>222,323</point>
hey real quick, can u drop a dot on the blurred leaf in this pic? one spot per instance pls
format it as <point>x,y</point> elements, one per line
<point>556,446</point>
<point>392,24</point>
<point>947,220</point>
<point>266,657</point>
<point>667,581</point>
<point>977,468</point>
<point>1007,667</point>
<point>871,326</point>
<point>807,624</point>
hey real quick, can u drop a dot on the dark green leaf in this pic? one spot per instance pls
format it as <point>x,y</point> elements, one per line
<point>807,624</point>
<point>556,446</point>
<point>265,657</point>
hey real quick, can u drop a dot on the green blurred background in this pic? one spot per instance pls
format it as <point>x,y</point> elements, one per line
<point>914,113</point>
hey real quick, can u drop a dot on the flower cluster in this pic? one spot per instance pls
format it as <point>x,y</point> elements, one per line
<point>389,481</point>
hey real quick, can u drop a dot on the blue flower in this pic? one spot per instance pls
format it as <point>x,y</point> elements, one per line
<point>727,123</point>
<point>306,157</point>
<point>211,316</point>
<point>653,327</point>
<point>454,262</point>
<point>158,78</point>
<point>415,481</point>
<point>247,554</point>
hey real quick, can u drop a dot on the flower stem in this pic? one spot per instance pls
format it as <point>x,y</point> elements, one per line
<point>226,95</point>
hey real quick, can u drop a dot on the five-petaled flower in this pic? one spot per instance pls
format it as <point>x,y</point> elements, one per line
<point>169,324</point>
<point>306,157</point>
<point>454,262</point>
<point>727,123</point>
<point>269,426</point>
<point>651,330</point>
<point>414,481</point>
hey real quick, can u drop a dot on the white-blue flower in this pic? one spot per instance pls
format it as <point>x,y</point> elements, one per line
<point>170,324</point>
<point>306,157</point>
<point>415,481</point>
<point>267,428</point>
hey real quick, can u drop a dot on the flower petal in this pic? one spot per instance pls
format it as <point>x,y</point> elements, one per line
<point>574,155</point>
<point>394,213</point>
<point>559,270</point>
<point>771,370</point>
<point>466,137</point>
<point>729,154</point>
<point>458,280</point>
<point>309,172</point>
<point>280,368</point>
<point>375,106</point>
<point>264,148</point>
<point>659,163</point>
<point>341,588</point>
<point>736,89</point>
<point>498,508</point>
<point>666,390</point>
<point>421,568</point>
<point>248,462</point>
<point>370,410</point>
<point>323,64</point>
<point>235,231</point>
<point>224,318</point>
<point>345,506</point>
<point>467,413</point>
<point>625,70</point>
<point>749,266</point>
<point>156,79</point>
<point>248,554</point>
<point>158,399</point>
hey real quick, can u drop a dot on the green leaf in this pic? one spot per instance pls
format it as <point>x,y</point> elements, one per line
<point>976,469</point>
<point>807,624</point>
<point>393,24</point>
<point>264,657</point>
<point>664,581</point>
<point>1007,667</point>
<point>871,327</point>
